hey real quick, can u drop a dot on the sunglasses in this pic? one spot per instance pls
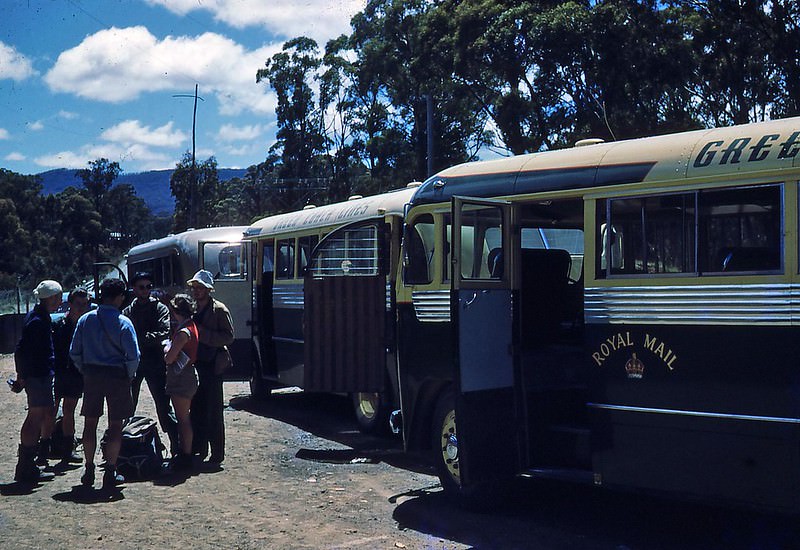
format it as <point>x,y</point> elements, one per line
<point>144,287</point>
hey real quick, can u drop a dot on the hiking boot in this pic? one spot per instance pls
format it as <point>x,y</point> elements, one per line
<point>26,470</point>
<point>111,478</point>
<point>181,462</point>
<point>44,452</point>
<point>87,479</point>
<point>69,455</point>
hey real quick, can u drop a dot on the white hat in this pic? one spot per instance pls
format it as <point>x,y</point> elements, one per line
<point>46,289</point>
<point>203,277</point>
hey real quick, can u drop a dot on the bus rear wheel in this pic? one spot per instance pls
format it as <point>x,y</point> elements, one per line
<point>372,412</point>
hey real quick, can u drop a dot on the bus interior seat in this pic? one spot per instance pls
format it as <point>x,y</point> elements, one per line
<point>544,289</point>
<point>495,263</point>
<point>748,258</point>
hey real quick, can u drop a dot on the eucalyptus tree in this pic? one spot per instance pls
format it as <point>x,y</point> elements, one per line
<point>130,220</point>
<point>634,71</point>
<point>398,67</point>
<point>98,179</point>
<point>739,47</point>
<point>501,59</point>
<point>202,182</point>
<point>338,114</point>
<point>784,25</point>
<point>291,74</point>
<point>78,236</point>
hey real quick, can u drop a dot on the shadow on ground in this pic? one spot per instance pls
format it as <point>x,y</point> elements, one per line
<point>90,495</point>
<point>537,514</point>
<point>331,417</point>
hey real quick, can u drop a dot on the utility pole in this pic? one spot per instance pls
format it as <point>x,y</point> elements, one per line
<point>429,131</point>
<point>193,183</point>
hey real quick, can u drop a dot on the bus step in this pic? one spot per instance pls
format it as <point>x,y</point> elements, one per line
<point>574,475</point>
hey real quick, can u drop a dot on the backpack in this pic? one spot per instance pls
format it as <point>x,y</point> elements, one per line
<point>141,453</point>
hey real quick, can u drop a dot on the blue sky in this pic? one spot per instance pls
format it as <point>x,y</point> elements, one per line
<point>85,79</point>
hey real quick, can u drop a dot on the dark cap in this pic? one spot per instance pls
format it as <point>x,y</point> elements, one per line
<point>141,275</point>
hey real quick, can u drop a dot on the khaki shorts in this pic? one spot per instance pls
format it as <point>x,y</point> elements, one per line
<point>114,390</point>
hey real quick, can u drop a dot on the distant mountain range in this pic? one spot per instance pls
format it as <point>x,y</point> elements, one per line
<point>152,186</point>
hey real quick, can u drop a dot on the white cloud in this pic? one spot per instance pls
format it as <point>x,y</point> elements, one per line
<point>14,65</point>
<point>318,19</point>
<point>129,142</point>
<point>142,156</point>
<point>229,132</point>
<point>4,134</point>
<point>64,159</point>
<point>14,156</point>
<point>67,115</point>
<point>132,132</point>
<point>36,125</point>
<point>117,65</point>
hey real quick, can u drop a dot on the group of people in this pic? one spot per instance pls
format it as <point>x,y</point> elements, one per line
<point>103,355</point>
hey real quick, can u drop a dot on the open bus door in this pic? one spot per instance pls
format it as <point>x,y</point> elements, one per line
<point>483,312</point>
<point>345,310</point>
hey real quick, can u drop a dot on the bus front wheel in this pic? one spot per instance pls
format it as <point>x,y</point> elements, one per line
<point>372,412</point>
<point>477,497</point>
<point>260,389</point>
<point>445,445</point>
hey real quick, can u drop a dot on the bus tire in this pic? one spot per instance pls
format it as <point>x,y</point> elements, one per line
<point>444,444</point>
<point>372,412</point>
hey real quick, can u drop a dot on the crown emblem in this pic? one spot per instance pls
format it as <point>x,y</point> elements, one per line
<point>634,367</point>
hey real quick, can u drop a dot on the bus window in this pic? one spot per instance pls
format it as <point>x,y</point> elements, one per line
<point>225,260</point>
<point>267,258</point>
<point>570,240</point>
<point>284,261</point>
<point>741,229</point>
<point>658,233</point>
<point>352,252</point>
<point>419,251</point>
<point>165,270</point>
<point>731,230</point>
<point>305,246</point>
<point>481,233</point>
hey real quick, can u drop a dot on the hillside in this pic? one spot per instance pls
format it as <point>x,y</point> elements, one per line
<point>152,186</point>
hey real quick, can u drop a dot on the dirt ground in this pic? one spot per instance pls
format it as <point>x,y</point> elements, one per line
<point>298,475</point>
<point>264,497</point>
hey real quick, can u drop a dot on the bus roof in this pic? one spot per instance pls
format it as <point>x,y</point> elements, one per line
<point>739,149</point>
<point>340,213</point>
<point>188,240</point>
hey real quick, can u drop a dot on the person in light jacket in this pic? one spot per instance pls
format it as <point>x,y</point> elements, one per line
<point>106,352</point>
<point>215,329</point>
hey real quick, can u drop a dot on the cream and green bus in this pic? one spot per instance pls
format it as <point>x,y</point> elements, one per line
<point>328,324</point>
<point>174,259</point>
<point>625,314</point>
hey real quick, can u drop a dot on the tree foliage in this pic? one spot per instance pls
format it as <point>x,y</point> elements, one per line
<point>523,76</point>
<point>61,236</point>
<point>504,76</point>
